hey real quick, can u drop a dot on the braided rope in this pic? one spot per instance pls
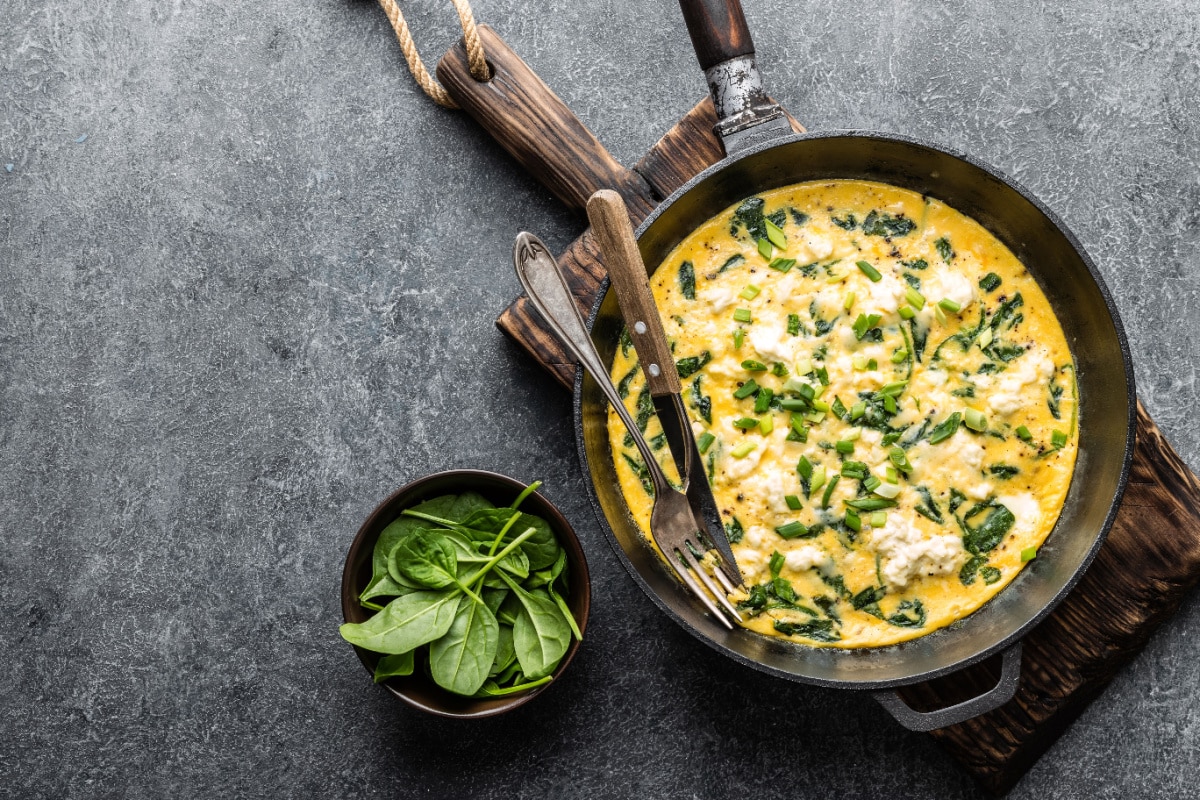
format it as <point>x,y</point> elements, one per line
<point>476,58</point>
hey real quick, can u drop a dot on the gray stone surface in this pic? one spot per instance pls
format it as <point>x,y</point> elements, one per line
<point>259,295</point>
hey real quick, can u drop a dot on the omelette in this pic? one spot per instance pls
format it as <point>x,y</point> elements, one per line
<point>885,401</point>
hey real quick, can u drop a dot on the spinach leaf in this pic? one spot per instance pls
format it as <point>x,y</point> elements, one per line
<point>459,662</point>
<point>1005,312</point>
<point>1054,400</point>
<point>957,498</point>
<point>920,335</point>
<point>916,263</point>
<point>393,666</point>
<point>700,401</point>
<point>983,538</point>
<point>734,530</point>
<point>541,636</point>
<point>887,225</point>
<point>641,472</point>
<point>846,223</point>
<point>383,586</point>
<point>687,280</point>
<point>990,575</point>
<point>506,653</point>
<point>989,282</point>
<point>623,384</point>
<point>686,367</point>
<point>944,249</point>
<point>426,558</point>
<point>406,622</point>
<point>749,215</point>
<point>970,569</point>
<point>914,619</point>
<point>819,630</point>
<point>1003,471</point>
<point>731,262</point>
<point>928,508</point>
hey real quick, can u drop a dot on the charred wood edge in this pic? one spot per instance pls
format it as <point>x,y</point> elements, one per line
<point>1140,576</point>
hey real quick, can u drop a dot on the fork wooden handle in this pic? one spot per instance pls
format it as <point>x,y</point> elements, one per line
<point>618,247</point>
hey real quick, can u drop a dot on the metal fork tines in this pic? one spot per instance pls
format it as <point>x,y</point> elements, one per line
<point>673,525</point>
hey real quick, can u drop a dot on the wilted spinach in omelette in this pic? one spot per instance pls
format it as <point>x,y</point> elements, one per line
<point>885,401</point>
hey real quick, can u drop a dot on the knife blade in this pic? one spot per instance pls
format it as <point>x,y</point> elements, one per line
<point>626,270</point>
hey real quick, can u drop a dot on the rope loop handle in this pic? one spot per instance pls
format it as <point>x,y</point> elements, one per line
<point>476,58</point>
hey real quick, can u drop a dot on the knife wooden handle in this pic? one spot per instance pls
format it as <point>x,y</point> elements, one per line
<point>718,29</point>
<point>614,233</point>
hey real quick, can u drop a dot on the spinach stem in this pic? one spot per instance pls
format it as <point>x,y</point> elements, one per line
<point>499,556</point>
<point>520,687</point>
<point>530,489</point>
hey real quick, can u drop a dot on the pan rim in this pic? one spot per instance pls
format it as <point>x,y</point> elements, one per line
<point>1066,586</point>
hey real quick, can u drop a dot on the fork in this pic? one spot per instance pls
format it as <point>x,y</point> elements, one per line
<point>673,525</point>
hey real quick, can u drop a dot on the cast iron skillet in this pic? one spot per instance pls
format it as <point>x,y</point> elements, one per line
<point>763,154</point>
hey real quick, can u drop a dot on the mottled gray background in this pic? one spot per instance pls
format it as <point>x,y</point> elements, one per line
<point>259,295</point>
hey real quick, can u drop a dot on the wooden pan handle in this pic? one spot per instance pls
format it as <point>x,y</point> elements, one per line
<point>718,29</point>
<point>612,231</point>
<point>535,126</point>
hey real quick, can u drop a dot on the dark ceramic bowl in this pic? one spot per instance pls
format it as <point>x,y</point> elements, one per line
<point>418,690</point>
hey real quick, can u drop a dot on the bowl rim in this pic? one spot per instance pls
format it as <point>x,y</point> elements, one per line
<point>433,485</point>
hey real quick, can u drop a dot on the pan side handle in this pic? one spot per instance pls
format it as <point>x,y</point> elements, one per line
<point>725,51</point>
<point>537,128</point>
<point>1005,688</point>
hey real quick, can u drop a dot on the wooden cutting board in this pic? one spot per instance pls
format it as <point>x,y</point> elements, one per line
<point>1140,576</point>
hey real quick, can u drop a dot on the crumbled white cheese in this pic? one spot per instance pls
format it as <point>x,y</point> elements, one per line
<point>737,468</point>
<point>885,295</point>
<point>804,558</point>
<point>719,297</point>
<point>771,344</point>
<point>955,286</point>
<point>907,552</point>
<point>970,452</point>
<point>1006,398</point>
<point>756,535</point>
<point>819,246</point>
<point>1025,507</point>
<point>979,491</point>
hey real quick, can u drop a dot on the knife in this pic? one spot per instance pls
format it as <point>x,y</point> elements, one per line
<point>627,272</point>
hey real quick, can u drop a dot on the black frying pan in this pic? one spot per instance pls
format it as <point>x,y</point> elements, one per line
<point>764,154</point>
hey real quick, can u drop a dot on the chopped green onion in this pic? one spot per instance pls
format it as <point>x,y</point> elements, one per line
<point>792,529</point>
<point>888,490</point>
<point>889,403</point>
<point>819,477</point>
<point>914,298</point>
<point>833,482</point>
<point>893,389</point>
<point>890,474</point>
<point>793,325</point>
<point>857,410</point>
<point>750,292</point>
<point>872,364</point>
<point>855,470</point>
<point>864,323</point>
<point>762,402</point>
<point>849,303</point>
<point>860,363</point>
<point>794,404</point>
<point>765,250</point>
<point>1058,439</point>
<point>799,429</point>
<point>804,467</point>
<point>782,264</point>
<point>837,407</point>
<point>946,304</point>
<point>871,503</point>
<point>794,384</point>
<point>742,450</point>
<point>823,376</point>
<point>803,366</point>
<point>745,423</point>
<point>742,315</point>
<point>853,521</point>
<point>748,388</point>
<point>900,356</point>
<point>1024,434</point>
<point>940,314</point>
<point>820,405</point>
<point>946,429</point>
<point>835,279</point>
<point>985,338</point>
<point>975,420</point>
<point>853,434</point>
<point>1028,554</point>
<point>906,312</point>
<point>775,234</point>
<point>870,271</point>
<point>766,425</point>
<point>793,502</point>
<point>844,447</point>
<point>871,483</point>
<point>705,441</point>
<point>879,519</point>
<point>816,417</point>
<point>754,366</point>
<point>900,459</point>
<point>738,336</point>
